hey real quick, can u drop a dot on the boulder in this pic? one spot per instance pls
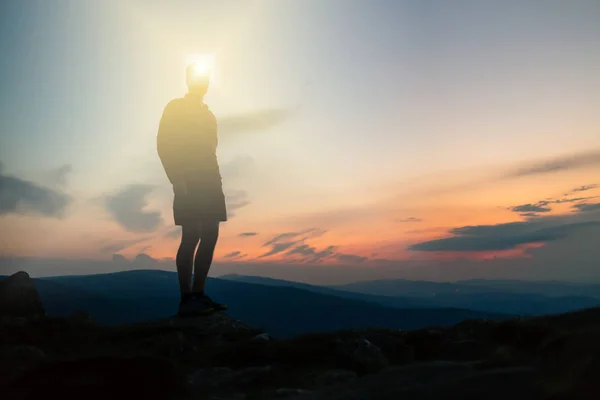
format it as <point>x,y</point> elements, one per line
<point>19,297</point>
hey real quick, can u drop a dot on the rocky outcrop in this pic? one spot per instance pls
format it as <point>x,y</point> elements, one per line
<point>19,297</point>
<point>217,357</point>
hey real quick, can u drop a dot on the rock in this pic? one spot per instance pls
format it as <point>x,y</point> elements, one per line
<point>262,337</point>
<point>393,345</point>
<point>368,358</point>
<point>503,356</point>
<point>463,350</point>
<point>219,377</point>
<point>173,344</point>
<point>571,365</point>
<point>16,359</point>
<point>521,334</point>
<point>19,297</point>
<point>435,380</point>
<point>22,353</point>
<point>518,383</point>
<point>335,376</point>
<point>287,392</point>
<point>214,325</point>
<point>207,379</point>
<point>427,344</point>
<point>393,382</point>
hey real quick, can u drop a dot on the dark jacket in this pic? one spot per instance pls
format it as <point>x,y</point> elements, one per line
<point>187,140</point>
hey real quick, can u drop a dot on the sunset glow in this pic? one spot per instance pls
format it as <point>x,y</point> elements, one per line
<point>459,140</point>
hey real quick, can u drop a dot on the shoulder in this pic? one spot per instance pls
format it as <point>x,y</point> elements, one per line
<point>209,113</point>
<point>173,106</point>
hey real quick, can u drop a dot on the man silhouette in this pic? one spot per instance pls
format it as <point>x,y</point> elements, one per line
<point>186,144</point>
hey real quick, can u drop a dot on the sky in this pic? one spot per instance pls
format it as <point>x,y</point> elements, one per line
<point>424,139</point>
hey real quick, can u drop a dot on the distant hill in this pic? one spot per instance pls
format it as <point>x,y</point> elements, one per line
<point>283,311</point>
<point>546,288</point>
<point>508,297</point>
<point>395,301</point>
<point>402,287</point>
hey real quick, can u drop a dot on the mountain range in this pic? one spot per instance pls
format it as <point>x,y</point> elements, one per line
<point>285,308</point>
<point>508,297</point>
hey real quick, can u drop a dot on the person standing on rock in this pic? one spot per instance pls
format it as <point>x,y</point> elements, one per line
<point>187,144</point>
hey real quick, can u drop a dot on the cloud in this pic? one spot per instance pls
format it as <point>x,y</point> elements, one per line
<point>285,241</point>
<point>533,209</point>
<point>530,208</point>
<point>281,236</point>
<point>311,254</point>
<point>174,232</point>
<point>18,196</point>
<point>236,199</point>
<point>351,258</point>
<point>505,236</point>
<point>583,188</point>
<point>589,159</point>
<point>572,200</point>
<point>409,219</point>
<point>236,167</point>
<point>338,216</point>
<point>144,259</point>
<point>118,258</point>
<point>247,234</point>
<point>59,175</point>
<point>257,121</point>
<point>293,244</point>
<point>557,164</point>
<point>146,248</point>
<point>530,215</point>
<point>277,248</point>
<point>127,208</point>
<point>114,246</point>
<point>586,207</point>
<point>235,255</point>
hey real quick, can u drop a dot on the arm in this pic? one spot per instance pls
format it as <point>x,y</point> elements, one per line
<point>214,128</point>
<point>166,144</point>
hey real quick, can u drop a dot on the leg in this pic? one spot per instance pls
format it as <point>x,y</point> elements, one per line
<point>190,236</point>
<point>204,254</point>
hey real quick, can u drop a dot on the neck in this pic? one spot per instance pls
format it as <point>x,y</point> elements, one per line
<point>195,95</point>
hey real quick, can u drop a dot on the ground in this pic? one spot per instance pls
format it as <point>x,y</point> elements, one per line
<point>217,357</point>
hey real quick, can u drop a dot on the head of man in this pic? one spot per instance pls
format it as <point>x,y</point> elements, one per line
<point>197,78</point>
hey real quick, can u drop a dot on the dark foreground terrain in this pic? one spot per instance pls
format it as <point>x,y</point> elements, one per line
<point>217,357</point>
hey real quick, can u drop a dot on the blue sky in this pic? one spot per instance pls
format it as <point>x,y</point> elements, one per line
<point>335,115</point>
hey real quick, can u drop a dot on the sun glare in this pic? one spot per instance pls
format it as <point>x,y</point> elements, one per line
<point>203,63</point>
<point>204,66</point>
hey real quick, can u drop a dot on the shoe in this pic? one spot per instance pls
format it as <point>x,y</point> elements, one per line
<point>194,307</point>
<point>215,305</point>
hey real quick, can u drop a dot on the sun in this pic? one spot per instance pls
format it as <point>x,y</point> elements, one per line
<point>204,64</point>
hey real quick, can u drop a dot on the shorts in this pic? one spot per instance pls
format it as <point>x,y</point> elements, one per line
<point>200,202</point>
